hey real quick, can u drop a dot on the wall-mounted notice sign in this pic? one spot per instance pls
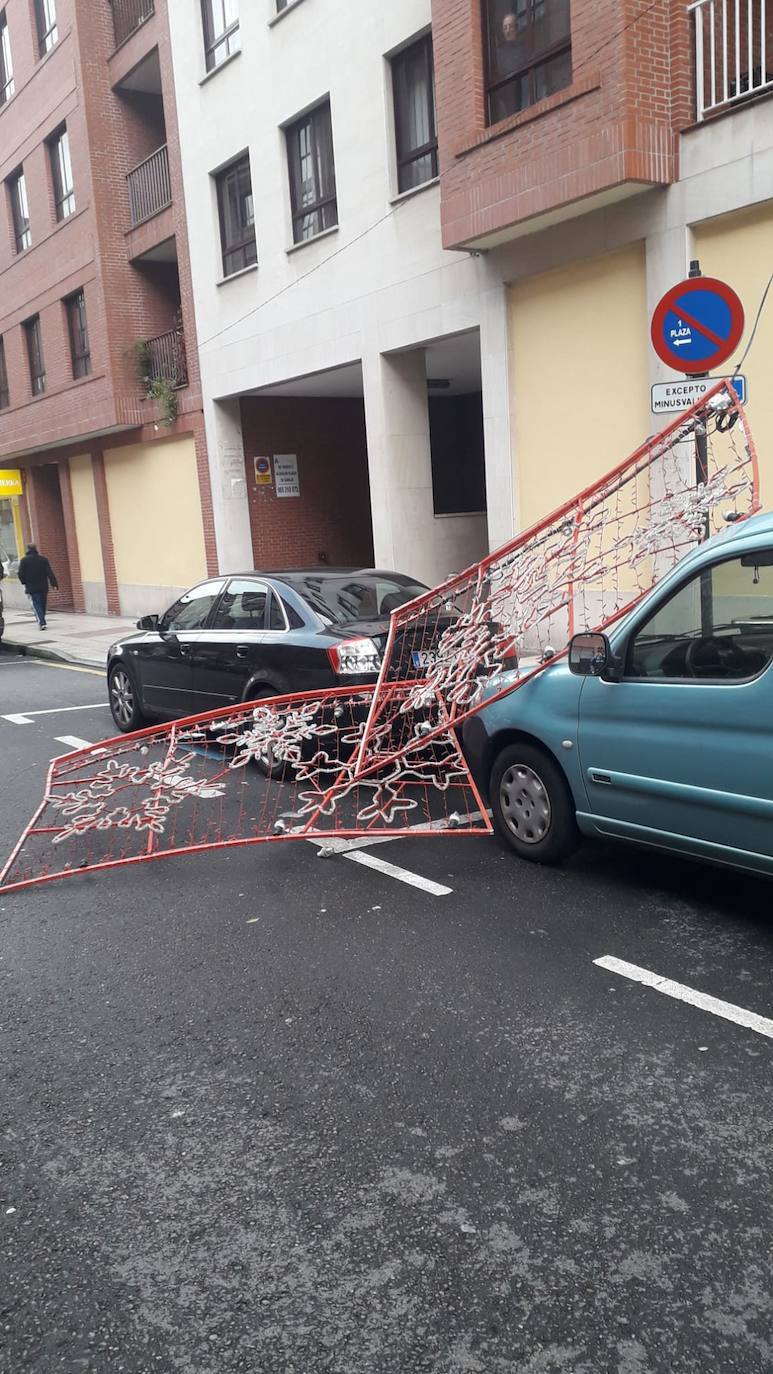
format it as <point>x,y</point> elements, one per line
<point>286,473</point>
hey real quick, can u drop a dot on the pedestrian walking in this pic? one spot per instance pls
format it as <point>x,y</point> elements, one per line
<point>35,575</point>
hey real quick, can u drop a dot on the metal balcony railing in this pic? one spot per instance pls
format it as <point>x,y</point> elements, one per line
<point>149,187</point>
<point>166,355</point>
<point>128,15</point>
<point>733,52</point>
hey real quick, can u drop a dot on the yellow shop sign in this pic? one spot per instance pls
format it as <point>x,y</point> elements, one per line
<point>10,482</point>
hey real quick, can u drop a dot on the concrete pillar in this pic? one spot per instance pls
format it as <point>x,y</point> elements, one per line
<point>667,256</point>
<point>406,536</point>
<point>501,489</point>
<point>229,486</point>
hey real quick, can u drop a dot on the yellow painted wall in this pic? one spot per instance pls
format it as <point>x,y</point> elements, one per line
<point>737,248</point>
<point>579,337</point>
<point>155,514</point>
<point>86,520</point>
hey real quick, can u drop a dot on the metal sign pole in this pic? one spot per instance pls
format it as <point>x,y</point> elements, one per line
<point>701,478</point>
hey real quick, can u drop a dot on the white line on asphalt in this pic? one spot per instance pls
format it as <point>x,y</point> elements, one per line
<point>402,874</point>
<point>73,740</point>
<point>761,1024</point>
<point>26,718</point>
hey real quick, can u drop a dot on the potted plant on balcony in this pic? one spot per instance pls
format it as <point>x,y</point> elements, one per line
<point>159,389</point>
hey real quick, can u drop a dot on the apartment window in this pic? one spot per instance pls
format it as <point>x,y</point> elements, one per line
<point>20,211</point>
<point>221,30</point>
<point>5,399</point>
<point>413,86</point>
<point>6,62</point>
<point>312,174</point>
<point>77,329</point>
<point>529,53</point>
<point>237,217</point>
<point>61,172</point>
<point>45,23</point>
<point>35,355</point>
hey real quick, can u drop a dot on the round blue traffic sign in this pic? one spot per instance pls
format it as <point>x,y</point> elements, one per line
<point>697,324</point>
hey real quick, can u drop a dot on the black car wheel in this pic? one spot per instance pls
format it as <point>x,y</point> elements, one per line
<point>124,699</point>
<point>277,770</point>
<point>532,805</point>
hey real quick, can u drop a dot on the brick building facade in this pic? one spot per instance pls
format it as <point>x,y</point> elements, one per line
<point>102,394</point>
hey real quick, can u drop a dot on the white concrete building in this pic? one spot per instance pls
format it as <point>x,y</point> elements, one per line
<point>431,401</point>
<point>338,339</point>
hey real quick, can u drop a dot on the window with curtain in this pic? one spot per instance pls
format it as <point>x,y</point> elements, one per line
<point>34,340</point>
<point>45,23</point>
<point>413,87</point>
<point>312,174</point>
<point>237,217</point>
<point>5,399</point>
<point>77,328</point>
<point>529,53</point>
<point>6,62</point>
<point>61,173</point>
<point>20,211</point>
<point>221,30</point>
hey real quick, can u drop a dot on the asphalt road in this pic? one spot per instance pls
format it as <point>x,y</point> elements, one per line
<point>267,1112</point>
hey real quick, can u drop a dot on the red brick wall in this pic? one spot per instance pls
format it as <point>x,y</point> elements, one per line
<point>631,90</point>
<point>109,133</point>
<point>105,532</point>
<point>332,514</point>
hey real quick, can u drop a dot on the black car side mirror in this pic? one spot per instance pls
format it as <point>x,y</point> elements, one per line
<point>148,622</point>
<point>589,655</point>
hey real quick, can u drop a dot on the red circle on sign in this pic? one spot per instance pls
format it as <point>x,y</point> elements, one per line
<point>262,465</point>
<point>723,346</point>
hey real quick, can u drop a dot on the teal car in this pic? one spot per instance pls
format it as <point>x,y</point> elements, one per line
<point>659,732</point>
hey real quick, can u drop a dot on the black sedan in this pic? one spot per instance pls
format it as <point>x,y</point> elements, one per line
<point>256,635</point>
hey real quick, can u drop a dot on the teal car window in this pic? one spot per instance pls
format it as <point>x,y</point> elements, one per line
<point>717,627</point>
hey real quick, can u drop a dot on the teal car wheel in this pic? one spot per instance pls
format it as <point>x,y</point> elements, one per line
<point>532,806</point>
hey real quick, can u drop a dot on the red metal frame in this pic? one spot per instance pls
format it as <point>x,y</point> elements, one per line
<point>356,761</point>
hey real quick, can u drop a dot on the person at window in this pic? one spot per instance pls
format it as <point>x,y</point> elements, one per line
<point>509,48</point>
<point>35,575</point>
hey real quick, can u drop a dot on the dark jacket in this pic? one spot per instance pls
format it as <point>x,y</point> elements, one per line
<point>35,573</point>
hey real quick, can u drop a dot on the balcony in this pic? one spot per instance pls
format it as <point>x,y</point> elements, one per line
<point>128,15</point>
<point>149,187</point>
<point>733,53</point>
<point>166,359</point>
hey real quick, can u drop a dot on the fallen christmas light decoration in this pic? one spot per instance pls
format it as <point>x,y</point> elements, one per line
<point>385,759</point>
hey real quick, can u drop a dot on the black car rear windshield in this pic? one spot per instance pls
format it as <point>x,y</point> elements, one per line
<point>355,596</point>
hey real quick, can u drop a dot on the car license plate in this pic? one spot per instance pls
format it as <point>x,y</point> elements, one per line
<point>423,659</point>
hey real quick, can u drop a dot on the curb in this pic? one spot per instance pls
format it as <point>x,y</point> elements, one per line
<point>52,655</point>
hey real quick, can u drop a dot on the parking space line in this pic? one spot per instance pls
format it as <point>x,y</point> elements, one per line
<point>73,740</point>
<point>763,1025</point>
<point>403,875</point>
<point>26,717</point>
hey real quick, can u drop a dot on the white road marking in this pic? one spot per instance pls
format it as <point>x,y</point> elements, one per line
<point>763,1025</point>
<point>402,874</point>
<point>73,740</point>
<point>27,717</point>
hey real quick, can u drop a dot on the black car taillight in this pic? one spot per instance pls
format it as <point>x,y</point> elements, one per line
<point>353,656</point>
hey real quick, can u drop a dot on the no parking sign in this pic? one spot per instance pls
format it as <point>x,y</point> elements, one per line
<point>262,469</point>
<point>697,325</point>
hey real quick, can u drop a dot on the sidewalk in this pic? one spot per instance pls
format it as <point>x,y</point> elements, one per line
<point>71,638</point>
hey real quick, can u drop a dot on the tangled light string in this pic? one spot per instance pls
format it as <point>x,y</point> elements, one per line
<point>386,759</point>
